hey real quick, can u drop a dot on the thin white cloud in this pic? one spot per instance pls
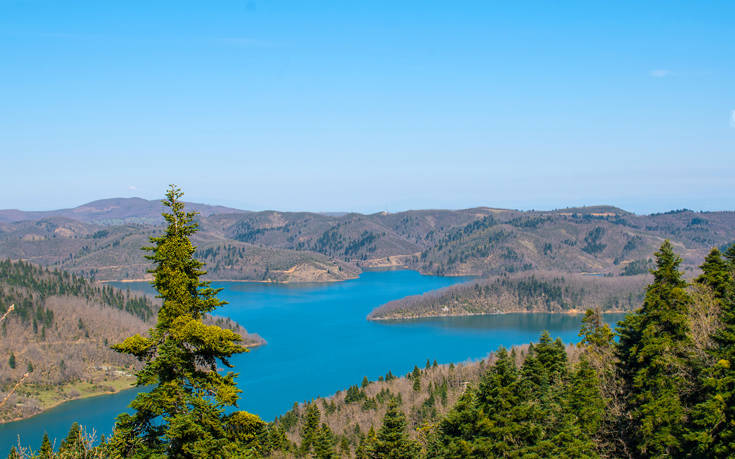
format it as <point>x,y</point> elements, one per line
<point>659,73</point>
<point>732,118</point>
<point>132,187</point>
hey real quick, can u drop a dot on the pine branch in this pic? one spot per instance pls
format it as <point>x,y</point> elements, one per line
<point>7,396</point>
<point>10,309</point>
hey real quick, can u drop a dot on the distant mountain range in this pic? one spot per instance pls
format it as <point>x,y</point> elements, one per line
<point>102,239</point>
<point>111,211</point>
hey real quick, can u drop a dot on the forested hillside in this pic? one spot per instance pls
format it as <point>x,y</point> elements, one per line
<point>665,389</point>
<point>57,337</point>
<point>520,292</point>
<point>300,246</point>
<point>661,385</point>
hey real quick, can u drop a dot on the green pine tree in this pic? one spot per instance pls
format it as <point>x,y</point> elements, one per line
<point>392,440</point>
<point>73,440</point>
<point>344,446</point>
<point>189,394</point>
<point>545,364</point>
<point>247,433</point>
<point>277,440</point>
<point>595,333</point>
<point>366,447</point>
<point>13,453</point>
<point>324,443</point>
<point>416,383</point>
<point>654,361</point>
<point>310,427</point>
<point>599,353</point>
<point>584,400</point>
<point>730,257</point>
<point>460,431</point>
<point>713,426</point>
<point>46,451</point>
<point>11,360</point>
<point>716,274</point>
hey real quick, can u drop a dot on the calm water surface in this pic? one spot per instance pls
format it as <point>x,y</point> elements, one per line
<point>318,343</point>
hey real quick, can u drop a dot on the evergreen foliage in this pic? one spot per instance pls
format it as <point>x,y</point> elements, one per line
<point>324,443</point>
<point>183,415</point>
<point>73,439</point>
<point>653,348</point>
<point>713,430</point>
<point>46,451</point>
<point>392,440</point>
<point>310,429</point>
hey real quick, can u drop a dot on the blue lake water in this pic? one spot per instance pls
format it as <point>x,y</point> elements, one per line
<point>319,342</point>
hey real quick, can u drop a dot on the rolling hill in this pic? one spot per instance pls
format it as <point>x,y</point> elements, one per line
<point>273,246</point>
<point>111,211</point>
<point>522,292</point>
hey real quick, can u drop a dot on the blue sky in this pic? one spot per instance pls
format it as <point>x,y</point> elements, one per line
<point>369,106</point>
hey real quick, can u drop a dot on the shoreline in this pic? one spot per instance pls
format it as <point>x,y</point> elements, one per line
<point>91,394</point>
<point>115,384</point>
<point>293,282</point>
<point>253,281</point>
<point>473,314</point>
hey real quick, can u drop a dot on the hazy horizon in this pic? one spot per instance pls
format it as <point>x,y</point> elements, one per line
<point>369,106</point>
<point>187,199</point>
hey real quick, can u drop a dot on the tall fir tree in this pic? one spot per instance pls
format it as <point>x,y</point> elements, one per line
<point>324,443</point>
<point>730,257</point>
<point>310,427</point>
<point>583,399</point>
<point>653,349</point>
<point>713,425</point>
<point>596,335</point>
<point>366,447</point>
<point>183,414</point>
<point>73,441</point>
<point>716,274</point>
<point>46,451</point>
<point>392,441</point>
<point>598,353</point>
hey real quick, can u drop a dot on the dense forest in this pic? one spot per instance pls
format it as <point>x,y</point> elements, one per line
<point>521,292</point>
<point>661,385</point>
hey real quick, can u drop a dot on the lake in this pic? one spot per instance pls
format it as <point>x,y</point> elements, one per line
<point>319,342</point>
